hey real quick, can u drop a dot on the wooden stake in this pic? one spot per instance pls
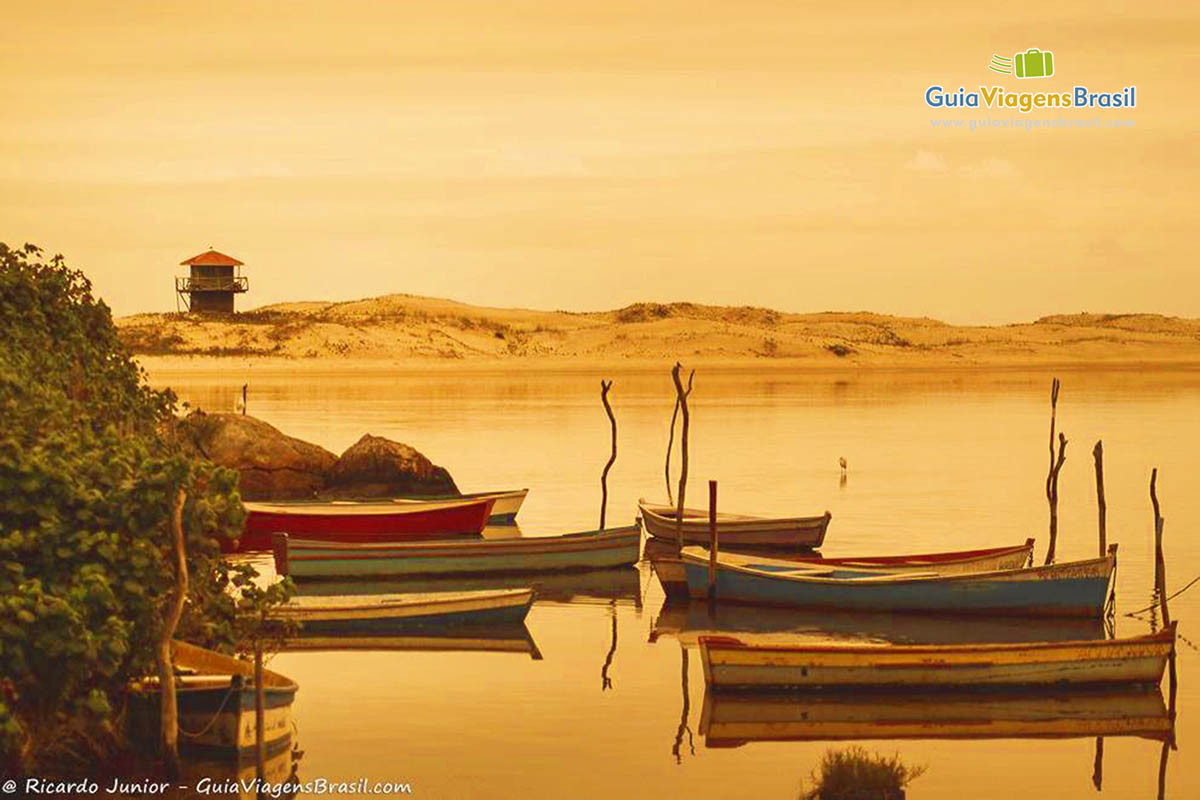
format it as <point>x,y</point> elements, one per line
<point>1056,463</point>
<point>169,718</point>
<point>260,747</point>
<point>604,387</point>
<point>681,395</point>
<point>245,386</point>
<point>1160,563</point>
<point>712,539</point>
<point>670,446</point>
<point>1101,505</point>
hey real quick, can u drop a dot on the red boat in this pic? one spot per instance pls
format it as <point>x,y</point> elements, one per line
<point>377,523</point>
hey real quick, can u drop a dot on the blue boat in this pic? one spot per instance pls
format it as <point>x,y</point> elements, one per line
<point>1072,589</point>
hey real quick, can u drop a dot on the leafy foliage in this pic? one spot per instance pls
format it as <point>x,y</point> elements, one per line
<point>854,773</point>
<point>89,467</point>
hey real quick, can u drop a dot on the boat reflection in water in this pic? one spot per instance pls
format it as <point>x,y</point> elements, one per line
<point>458,639</point>
<point>689,621</point>
<point>603,586</point>
<point>732,720</point>
<point>235,778</point>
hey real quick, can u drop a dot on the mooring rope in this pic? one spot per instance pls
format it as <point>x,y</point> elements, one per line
<point>1153,605</point>
<point>216,715</point>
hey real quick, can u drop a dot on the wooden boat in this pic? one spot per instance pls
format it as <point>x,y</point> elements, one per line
<point>504,509</point>
<point>736,664</point>
<point>397,613</point>
<point>215,698</point>
<point>621,585</point>
<point>361,522</point>
<point>614,547</point>
<point>1069,589</point>
<point>688,622</point>
<point>671,574</point>
<point>735,530</point>
<point>732,719</point>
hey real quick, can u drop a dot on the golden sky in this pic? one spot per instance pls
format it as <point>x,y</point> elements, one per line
<point>585,155</point>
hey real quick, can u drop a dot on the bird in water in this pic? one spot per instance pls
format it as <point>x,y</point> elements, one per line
<point>842,464</point>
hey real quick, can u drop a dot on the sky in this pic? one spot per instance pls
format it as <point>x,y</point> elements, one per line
<point>587,155</point>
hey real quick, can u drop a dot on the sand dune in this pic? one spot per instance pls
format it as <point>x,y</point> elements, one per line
<point>405,328</point>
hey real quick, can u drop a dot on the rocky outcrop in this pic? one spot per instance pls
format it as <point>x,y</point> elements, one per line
<point>275,466</point>
<point>378,467</point>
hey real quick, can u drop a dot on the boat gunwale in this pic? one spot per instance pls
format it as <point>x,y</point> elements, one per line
<point>610,537</point>
<point>513,598</point>
<point>366,509</point>
<point>730,520</point>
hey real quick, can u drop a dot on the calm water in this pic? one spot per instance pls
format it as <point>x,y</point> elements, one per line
<point>613,707</point>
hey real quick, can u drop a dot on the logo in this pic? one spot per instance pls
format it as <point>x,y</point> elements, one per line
<point>1033,63</point>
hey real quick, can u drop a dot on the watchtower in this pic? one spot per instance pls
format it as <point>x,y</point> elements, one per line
<point>215,278</point>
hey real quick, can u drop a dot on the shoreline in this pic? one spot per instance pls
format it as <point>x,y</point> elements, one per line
<point>194,364</point>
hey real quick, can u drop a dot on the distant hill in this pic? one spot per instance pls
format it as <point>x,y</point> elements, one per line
<point>404,327</point>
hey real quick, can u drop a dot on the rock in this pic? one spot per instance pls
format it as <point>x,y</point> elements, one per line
<point>273,466</point>
<point>378,467</point>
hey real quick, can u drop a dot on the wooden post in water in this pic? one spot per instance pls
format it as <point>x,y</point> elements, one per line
<point>260,748</point>
<point>1160,564</point>
<point>670,445</point>
<point>604,387</point>
<point>245,386</point>
<point>1056,463</point>
<point>1101,505</point>
<point>169,713</point>
<point>681,395</point>
<point>713,544</point>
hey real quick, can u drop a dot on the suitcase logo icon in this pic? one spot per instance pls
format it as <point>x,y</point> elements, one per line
<point>1033,63</point>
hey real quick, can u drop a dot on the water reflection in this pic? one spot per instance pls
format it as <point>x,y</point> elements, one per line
<point>735,719</point>
<point>235,778</point>
<point>463,639</point>
<point>689,621</point>
<point>621,586</point>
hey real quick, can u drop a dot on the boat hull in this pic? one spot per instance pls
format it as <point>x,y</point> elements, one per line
<point>361,522</point>
<point>673,577</point>
<point>505,507</point>
<point>736,531</point>
<point>616,547</point>
<point>1077,589</point>
<point>735,664</point>
<point>383,615</point>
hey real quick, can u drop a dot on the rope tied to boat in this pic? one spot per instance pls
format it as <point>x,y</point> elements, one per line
<point>1154,604</point>
<point>216,714</point>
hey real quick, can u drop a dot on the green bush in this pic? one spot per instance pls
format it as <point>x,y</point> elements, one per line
<point>89,469</point>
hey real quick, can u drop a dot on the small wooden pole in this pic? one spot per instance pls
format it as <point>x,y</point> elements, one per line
<point>260,749</point>
<point>169,713</point>
<point>245,386</point>
<point>670,446</point>
<point>1101,505</point>
<point>713,544</point>
<point>1160,564</point>
<point>1056,464</point>
<point>1098,764</point>
<point>681,395</point>
<point>604,387</point>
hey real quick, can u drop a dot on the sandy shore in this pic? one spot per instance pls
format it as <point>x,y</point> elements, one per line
<point>405,332</point>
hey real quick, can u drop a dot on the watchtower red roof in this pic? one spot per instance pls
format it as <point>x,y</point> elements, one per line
<point>211,259</point>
